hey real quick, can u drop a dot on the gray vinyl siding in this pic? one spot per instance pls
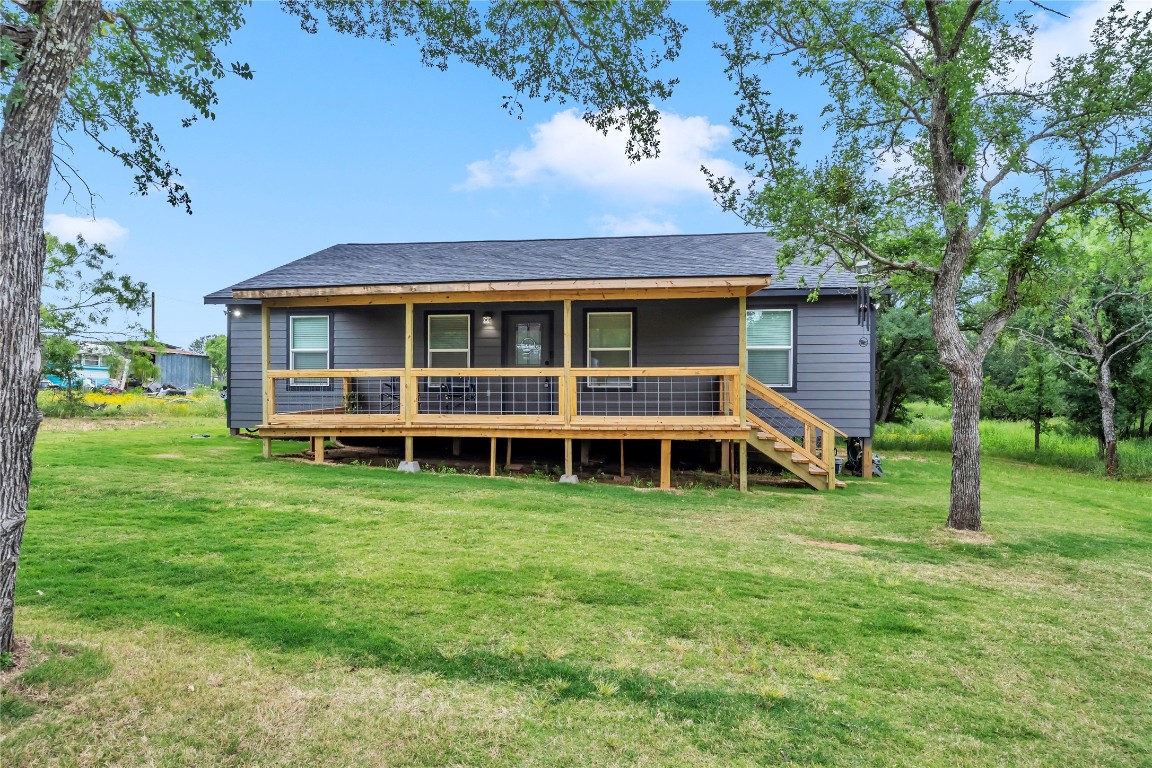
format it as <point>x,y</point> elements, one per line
<point>244,391</point>
<point>833,371</point>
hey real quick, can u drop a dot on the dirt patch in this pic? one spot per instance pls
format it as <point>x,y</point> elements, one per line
<point>839,546</point>
<point>971,537</point>
<point>674,491</point>
<point>20,648</point>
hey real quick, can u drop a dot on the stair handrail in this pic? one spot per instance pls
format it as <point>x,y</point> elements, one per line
<point>798,412</point>
<point>776,434</point>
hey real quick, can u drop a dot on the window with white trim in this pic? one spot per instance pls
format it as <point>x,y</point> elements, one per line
<point>609,343</point>
<point>770,346</point>
<point>309,347</point>
<point>449,341</point>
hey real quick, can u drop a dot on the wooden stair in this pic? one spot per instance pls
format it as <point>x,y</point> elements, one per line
<point>815,465</point>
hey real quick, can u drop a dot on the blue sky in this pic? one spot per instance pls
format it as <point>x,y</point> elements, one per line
<point>343,140</point>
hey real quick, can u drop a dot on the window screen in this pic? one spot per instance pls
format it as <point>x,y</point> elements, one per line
<point>770,346</point>
<point>609,346</point>
<point>309,347</point>
<point>449,341</point>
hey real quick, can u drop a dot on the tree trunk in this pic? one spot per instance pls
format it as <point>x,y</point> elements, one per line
<point>1108,419</point>
<point>60,45</point>
<point>964,509</point>
<point>886,403</point>
<point>965,367</point>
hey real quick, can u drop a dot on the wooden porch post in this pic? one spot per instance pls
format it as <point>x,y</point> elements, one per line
<point>266,359</point>
<point>742,386</point>
<point>744,466</point>
<point>568,456</point>
<point>725,457</point>
<point>318,449</point>
<point>492,459</point>
<point>567,387</point>
<point>409,448</point>
<point>265,366</point>
<point>406,399</point>
<point>585,452</point>
<point>665,464</point>
<point>866,469</point>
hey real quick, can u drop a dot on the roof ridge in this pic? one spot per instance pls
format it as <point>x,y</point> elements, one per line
<point>555,239</point>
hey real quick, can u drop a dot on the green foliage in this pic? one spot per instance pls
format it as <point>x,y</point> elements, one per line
<point>917,89</point>
<point>928,428</point>
<point>907,367</point>
<point>59,356</point>
<point>216,347</point>
<point>81,290</point>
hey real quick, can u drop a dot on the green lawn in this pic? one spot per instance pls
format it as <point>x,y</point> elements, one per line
<point>194,604</point>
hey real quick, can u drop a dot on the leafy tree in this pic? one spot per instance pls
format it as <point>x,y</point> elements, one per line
<point>1022,383</point>
<point>987,161</point>
<point>80,291</point>
<point>216,347</point>
<point>906,362</point>
<point>1103,317</point>
<point>83,66</point>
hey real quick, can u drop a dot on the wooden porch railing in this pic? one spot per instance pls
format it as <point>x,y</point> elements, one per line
<point>695,395</point>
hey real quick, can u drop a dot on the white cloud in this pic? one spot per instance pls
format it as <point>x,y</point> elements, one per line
<point>65,227</point>
<point>639,224</point>
<point>1068,35</point>
<point>565,149</point>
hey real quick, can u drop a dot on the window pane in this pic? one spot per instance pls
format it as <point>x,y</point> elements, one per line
<point>309,361</point>
<point>770,366</point>
<point>769,328</point>
<point>447,359</point>
<point>448,332</point>
<point>609,359</point>
<point>310,333</point>
<point>609,330</point>
<point>529,344</point>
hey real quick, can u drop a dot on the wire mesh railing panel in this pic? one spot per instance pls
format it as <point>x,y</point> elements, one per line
<point>308,396</point>
<point>787,425</point>
<point>649,396</point>
<point>376,396</point>
<point>359,395</point>
<point>487,395</point>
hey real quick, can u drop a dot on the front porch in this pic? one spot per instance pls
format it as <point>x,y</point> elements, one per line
<point>528,396</point>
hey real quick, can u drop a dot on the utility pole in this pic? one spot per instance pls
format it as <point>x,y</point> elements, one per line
<point>153,314</point>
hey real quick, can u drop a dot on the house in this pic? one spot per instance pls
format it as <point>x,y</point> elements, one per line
<point>666,338</point>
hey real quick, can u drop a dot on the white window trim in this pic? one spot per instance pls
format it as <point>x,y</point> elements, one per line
<point>428,337</point>
<point>791,348</point>
<point>609,382</point>
<point>292,350</point>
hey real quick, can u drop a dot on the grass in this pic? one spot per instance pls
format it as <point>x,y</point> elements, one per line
<point>931,430</point>
<point>234,611</point>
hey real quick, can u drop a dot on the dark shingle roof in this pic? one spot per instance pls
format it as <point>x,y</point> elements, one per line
<point>725,255</point>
